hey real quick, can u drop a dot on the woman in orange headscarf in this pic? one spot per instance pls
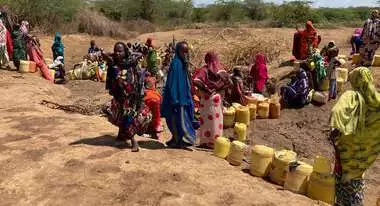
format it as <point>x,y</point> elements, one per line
<point>307,37</point>
<point>153,100</point>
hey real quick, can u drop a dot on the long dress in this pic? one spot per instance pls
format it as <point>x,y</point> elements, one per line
<point>128,111</point>
<point>4,58</point>
<point>211,119</point>
<point>19,47</point>
<point>259,73</point>
<point>178,106</point>
<point>35,54</point>
<point>356,116</point>
<point>153,100</point>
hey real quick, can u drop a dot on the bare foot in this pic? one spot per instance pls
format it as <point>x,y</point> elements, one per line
<point>135,145</point>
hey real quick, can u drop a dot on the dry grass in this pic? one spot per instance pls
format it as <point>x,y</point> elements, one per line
<point>96,24</point>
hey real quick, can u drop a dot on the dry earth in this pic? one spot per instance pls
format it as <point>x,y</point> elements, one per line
<point>50,157</point>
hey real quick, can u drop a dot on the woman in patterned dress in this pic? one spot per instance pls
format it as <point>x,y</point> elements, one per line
<point>211,79</point>
<point>355,121</point>
<point>125,82</point>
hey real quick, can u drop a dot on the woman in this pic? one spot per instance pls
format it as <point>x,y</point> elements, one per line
<point>125,82</point>
<point>151,59</point>
<point>370,37</point>
<point>356,41</point>
<point>296,92</point>
<point>58,48</point>
<point>178,106</point>
<point>153,100</point>
<point>236,94</point>
<point>19,47</point>
<point>355,120</point>
<point>211,80</point>
<point>35,54</point>
<point>309,37</point>
<point>24,28</point>
<point>4,58</point>
<point>259,73</point>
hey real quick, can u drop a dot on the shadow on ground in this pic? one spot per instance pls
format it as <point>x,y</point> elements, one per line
<point>109,141</point>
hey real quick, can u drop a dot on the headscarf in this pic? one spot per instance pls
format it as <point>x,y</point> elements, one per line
<point>363,97</point>
<point>357,116</point>
<point>358,32</point>
<point>149,42</point>
<point>208,74</point>
<point>259,72</point>
<point>3,34</point>
<point>24,27</point>
<point>310,30</point>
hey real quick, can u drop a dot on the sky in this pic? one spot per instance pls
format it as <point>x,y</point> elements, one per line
<point>318,3</point>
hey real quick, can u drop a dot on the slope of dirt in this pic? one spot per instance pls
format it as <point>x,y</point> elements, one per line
<point>52,157</point>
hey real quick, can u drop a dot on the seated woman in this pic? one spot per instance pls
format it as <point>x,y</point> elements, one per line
<point>211,80</point>
<point>236,94</point>
<point>259,73</point>
<point>296,92</point>
<point>153,99</point>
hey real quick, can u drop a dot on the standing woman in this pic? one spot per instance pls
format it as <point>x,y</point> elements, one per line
<point>355,121</point>
<point>178,106</point>
<point>24,28</point>
<point>35,54</point>
<point>4,58</point>
<point>309,37</point>
<point>125,82</point>
<point>259,73</point>
<point>58,47</point>
<point>211,79</point>
<point>370,36</point>
<point>19,47</point>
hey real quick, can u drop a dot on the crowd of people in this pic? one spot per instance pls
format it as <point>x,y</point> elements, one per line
<point>192,100</point>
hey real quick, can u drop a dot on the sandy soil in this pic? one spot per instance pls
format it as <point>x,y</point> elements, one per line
<point>51,157</point>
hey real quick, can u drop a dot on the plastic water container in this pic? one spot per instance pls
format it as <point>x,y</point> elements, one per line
<point>340,84</point>
<point>376,61</point>
<point>252,111</point>
<point>222,147</point>
<point>229,117</point>
<point>263,110</point>
<point>297,180</point>
<point>236,155</point>
<point>261,160</point>
<point>104,76</point>
<point>356,58</point>
<point>32,67</point>
<point>251,100</point>
<point>322,187</point>
<point>274,110</point>
<point>297,64</point>
<point>325,85</point>
<point>236,105</point>
<point>320,97</point>
<point>24,66</point>
<point>280,166</point>
<point>342,73</point>
<point>322,165</point>
<point>242,115</point>
<point>240,131</point>
<point>52,73</point>
<point>343,57</point>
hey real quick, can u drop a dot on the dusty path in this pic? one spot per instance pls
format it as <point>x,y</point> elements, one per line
<point>50,157</point>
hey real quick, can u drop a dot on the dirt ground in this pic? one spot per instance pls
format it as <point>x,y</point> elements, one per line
<point>51,157</point>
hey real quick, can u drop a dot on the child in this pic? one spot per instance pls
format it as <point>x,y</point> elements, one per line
<point>332,55</point>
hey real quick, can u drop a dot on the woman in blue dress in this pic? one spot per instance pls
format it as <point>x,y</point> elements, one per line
<point>178,106</point>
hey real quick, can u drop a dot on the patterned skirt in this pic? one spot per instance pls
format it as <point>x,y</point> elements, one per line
<point>129,121</point>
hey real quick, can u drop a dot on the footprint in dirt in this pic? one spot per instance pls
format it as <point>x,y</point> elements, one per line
<point>74,165</point>
<point>169,198</point>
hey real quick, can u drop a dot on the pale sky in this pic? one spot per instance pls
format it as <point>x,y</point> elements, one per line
<point>318,3</point>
